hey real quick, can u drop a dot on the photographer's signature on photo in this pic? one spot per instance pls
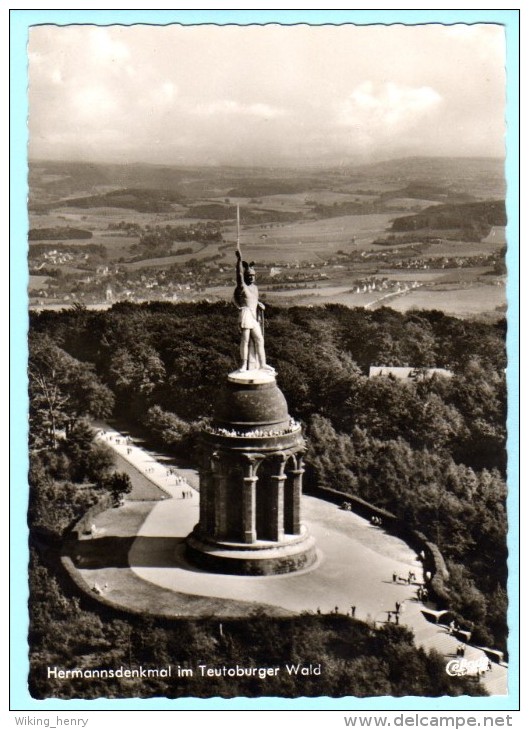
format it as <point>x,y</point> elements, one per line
<point>462,667</point>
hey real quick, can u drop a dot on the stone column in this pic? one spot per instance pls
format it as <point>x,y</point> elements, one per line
<point>206,502</point>
<point>248,530</point>
<point>277,517</point>
<point>295,496</point>
<point>219,510</point>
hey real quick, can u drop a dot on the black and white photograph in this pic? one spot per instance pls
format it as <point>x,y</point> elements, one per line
<point>267,299</point>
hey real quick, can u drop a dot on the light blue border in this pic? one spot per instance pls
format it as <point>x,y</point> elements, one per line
<point>20,21</point>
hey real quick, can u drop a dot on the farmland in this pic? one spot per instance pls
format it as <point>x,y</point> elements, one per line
<point>460,302</point>
<point>328,236</point>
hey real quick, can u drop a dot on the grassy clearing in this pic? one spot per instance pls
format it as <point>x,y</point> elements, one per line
<point>143,489</point>
<point>460,302</point>
<point>319,297</point>
<point>313,240</point>
<point>456,276</point>
<point>200,252</point>
<point>497,236</point>
<point>37,282</point>
<point>463,248</point>
<point>123,521</point>
<point>446,249</point>
<point>420,275</point>
<point>117,247</point>
<point>410,203</point>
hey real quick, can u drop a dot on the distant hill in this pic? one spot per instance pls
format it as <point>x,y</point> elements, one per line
<point>478,176</point>
<point>144,200</point>
<point>421,190</point>
<point>54,180</point>
<point>416,177</point>
<point>439,168</point>
<point>262,186</point>
<point>62,179</point>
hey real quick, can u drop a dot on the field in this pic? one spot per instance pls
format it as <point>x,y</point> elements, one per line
<point>496,236</point>
<point>313,241</point>
<point>319,256</point>
<point>461,302</point>
<point>472,300</point>
<point>199,252</point>
<point>37,282</point>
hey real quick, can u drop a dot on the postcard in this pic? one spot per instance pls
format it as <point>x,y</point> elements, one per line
<point>267,263</point>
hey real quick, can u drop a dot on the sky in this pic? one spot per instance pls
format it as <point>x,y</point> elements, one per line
<point>265,95</point>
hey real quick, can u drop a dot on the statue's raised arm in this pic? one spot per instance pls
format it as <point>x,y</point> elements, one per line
<point>246,298</point>
<point>239,269</point>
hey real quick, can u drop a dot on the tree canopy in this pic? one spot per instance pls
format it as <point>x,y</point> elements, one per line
<point>431,450</point>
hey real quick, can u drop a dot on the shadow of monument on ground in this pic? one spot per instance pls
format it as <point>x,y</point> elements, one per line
<point>115,552</point>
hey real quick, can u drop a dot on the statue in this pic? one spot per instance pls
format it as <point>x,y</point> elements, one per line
<point>251,317</point>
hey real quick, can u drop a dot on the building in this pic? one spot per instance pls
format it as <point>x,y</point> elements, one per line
<point>251,471</point>
<point>406,373</point>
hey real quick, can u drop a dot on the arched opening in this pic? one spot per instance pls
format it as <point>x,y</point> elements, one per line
<point>231,500</point>
<point>269,501</point>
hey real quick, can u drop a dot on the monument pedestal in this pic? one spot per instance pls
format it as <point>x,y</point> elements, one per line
<point>251,469</point>
<point>258,558</point>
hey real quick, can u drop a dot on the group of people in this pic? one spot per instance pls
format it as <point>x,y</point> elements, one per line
<point>116,438</point>
<point>254,433</point>
<point>394,614</point>
<point>376,520</point>
<point>399,579</point>
<point>96,588</point>
<point>337,611</point>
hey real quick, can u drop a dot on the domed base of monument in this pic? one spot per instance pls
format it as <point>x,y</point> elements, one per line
<point>294,553</point>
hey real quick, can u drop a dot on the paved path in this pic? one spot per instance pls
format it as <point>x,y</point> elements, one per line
<point>160,477</point>
<point>355,566</point>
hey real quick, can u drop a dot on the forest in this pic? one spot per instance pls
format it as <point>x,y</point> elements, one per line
<point>60,233</point>
<point>140,199</point>
<point>475,218</point>
<point>432,450</point>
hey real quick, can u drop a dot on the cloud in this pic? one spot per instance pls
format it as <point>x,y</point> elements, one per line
<point>342,90</point>
<point>163,96</point>
<point>229,106</point>
<point>94,103</point>
<point>56,76</point>
<point>106,49</point>
<point>387,106</point>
